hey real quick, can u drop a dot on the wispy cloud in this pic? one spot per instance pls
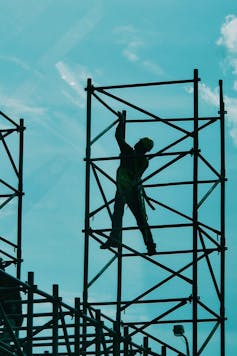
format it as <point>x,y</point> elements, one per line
<point>133,42</point>
<point>152,67</point>
<point>211,96</point>
<point>228,37</point>
<point>228,40</point>
<point>130,41</point>
<point>75,34</point>
<point>76,81</point>
<point>208,95</point>
<point>14,106</point>
<point>69,40</point>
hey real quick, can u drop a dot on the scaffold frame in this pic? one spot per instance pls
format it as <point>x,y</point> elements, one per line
<point>204,243</point>
<point>9,191</point>
<point>51,326</point>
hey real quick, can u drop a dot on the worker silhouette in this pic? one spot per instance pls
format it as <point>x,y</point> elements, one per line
<point>133,163</point>
<point>10,303</point>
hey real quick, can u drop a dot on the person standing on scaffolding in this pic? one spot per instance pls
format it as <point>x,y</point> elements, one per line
<point>133,163</point>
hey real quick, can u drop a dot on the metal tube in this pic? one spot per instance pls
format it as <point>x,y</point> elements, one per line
<point>87,204</point>
<point>222,213</point>
<point>55,321</point>
<point>195,214</point>
<point>30,305</point>
<point>77,304</point>
<point>116,339</point>
<point>145,84</point>
<point>145,345</point>
<point>20,194</point>
<point>163,351</point>
<point>98,334</point>
<point>119,264</point>
<point>127,339</point>
<point>187,345</point>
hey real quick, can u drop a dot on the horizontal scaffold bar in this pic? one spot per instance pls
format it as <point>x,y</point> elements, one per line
<point>134,85</point>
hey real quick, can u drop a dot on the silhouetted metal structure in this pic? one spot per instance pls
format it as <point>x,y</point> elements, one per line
<point>11,188</point>
<point>185,281</point>
<point>54,328</point>
<point>131,301</point>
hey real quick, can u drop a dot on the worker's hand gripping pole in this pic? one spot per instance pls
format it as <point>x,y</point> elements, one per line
<point>122,122</point>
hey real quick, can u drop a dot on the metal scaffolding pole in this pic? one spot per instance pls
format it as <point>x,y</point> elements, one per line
<point>20,195</point>
<point>223,242</point>
<point>87,201</point>
<point>195,214</point>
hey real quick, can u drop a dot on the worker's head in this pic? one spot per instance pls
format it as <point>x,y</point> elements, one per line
<point>144,145</point>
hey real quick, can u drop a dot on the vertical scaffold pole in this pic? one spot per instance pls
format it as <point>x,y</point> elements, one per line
<point>87,200</point>
<point>195,215</point>
<point>120,250</point>
<point>20,194</point>
<point>119,264</point>
<point>30,314</point>
<point>77,328</point>
<point>55,330</point>
<point>222,256</point>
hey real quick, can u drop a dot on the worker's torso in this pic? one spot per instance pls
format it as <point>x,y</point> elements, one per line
<point>131,169</point>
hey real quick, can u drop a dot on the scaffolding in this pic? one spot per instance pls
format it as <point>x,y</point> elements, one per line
<point>131,301</point>
<point>184,283</point>
<point>11,187</point>
<point>52,327</point>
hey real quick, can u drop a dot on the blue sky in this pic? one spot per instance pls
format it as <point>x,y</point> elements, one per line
<point>48,49</point>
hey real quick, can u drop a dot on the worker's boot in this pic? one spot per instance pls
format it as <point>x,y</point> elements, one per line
<point>112,241</point>
<point>151,246</point>
<point>109,243</point>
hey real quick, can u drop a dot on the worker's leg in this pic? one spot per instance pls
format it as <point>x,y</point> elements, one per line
<point>117,218</point>
<point>136,204</point>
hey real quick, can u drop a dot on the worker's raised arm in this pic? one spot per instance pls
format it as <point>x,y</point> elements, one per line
<point>119,135</point>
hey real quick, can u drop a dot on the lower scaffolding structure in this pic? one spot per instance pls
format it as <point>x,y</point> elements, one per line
<point>51,327</point>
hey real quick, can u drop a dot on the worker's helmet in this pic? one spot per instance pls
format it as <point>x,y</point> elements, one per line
<point>146,143</point>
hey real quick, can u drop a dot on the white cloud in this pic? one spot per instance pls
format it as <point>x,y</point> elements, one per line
<point>14,106</point>
<point>228,39</point>
<point>133,41</point>
<point>233,63</point>
<point>76,33</point>
<point>211,96</point>
<point>152,67</point>
<point>228,36</point>
<point>132,48</point>
<point>231,107</point>
<point>76,80</point>
<point>130,55</point>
